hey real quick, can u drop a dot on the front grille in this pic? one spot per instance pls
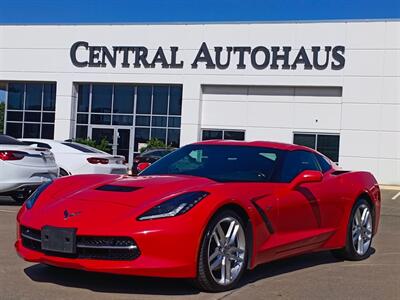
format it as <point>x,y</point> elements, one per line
<point>87,247</point>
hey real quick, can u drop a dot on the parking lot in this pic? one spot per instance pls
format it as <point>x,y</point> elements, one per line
<point>313,276</point>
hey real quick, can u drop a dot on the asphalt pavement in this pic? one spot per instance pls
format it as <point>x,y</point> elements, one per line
<point>311,276</point>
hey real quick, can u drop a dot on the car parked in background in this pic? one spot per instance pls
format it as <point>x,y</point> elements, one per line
<point>149,157</point>
<point>23,168</point>
<point>74,158</point>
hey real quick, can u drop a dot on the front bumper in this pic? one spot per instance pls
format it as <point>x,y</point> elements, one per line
<point>163,253</point>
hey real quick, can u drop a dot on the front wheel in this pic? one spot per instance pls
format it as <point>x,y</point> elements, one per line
<point>359,233</point>
<point>223,254</point>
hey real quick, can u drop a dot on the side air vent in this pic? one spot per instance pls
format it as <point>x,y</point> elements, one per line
<point>339,172</point>
<point>117,188</point>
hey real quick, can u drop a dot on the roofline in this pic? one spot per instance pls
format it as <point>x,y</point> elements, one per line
<point>205,22</point>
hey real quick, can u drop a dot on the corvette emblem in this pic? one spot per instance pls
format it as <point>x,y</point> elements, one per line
<point>67,214</point>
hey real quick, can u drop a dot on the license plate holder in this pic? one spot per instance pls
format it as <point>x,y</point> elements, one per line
<point>56,239</point>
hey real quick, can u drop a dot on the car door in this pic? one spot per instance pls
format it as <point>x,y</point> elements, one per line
<point>299,213</point>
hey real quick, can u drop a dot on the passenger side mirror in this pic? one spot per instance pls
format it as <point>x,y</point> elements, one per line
<point>142,166</point>
<point>307,176</point>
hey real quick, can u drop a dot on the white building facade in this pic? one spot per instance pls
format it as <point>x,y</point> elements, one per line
<point>333,86</point>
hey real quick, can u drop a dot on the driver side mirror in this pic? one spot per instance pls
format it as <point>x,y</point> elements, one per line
<point>142,166</point>
<point>307,176</point>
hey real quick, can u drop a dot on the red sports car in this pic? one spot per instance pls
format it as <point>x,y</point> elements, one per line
<point>207,211</point>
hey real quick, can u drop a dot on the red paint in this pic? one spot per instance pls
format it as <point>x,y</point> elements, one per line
<point>311,215</point>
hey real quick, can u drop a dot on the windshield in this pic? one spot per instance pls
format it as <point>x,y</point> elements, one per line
<point>219,163</point>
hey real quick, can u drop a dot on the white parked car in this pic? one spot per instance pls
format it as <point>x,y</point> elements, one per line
<point>74,158</point>
<point>23,168</point>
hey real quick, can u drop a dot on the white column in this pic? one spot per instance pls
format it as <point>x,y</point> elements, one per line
<point>65,110</point>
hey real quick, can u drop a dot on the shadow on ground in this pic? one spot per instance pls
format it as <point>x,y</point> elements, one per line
<point>4,200</point>
<point>157,286</point>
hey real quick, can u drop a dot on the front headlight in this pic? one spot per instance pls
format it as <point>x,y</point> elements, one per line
<point>174,207</point>
<point>30,202</point>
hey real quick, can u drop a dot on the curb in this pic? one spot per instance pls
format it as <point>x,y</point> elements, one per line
<point>389,187</point>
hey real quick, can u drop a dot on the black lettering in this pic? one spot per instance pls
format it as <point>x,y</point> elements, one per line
<point>141,57</point>
<point>284,57</point>
<point>94,56</point>
<point>316,51</point>
<point>203,56</point>
<point>218,51</point>
<point>72,54</point>
<point>112,58</point>
<point>174,64</point>
<point>302,58</point>
<point>160,58</point>
<point>241,50</point>
<point>266,58</point>
<point>338,56</point>
<point>125,58</point>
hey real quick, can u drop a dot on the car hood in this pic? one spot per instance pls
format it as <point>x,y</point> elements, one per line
<point>109,201</point>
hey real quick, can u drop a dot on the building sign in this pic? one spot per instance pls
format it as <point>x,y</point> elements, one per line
<point>240,57</point>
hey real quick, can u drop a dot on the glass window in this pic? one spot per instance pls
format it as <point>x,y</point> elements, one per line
<point>82,118</point>
<point>32,130</point>
<point>81,132</point>
<point>211,135</point>
<point>220,163</point>
<point>122,120</point>
<point>33,98</point>
<point>49,97</point>
<point>159,133</point>
<point>32,116</point>
<point>8,140</point>
<point>307,140</point>
<point>142,136</point>
<point>175,100</point>
<point>159,121</point>
<point>297,162</point>
<point>81,148</point>
<point>48,131</point>
<point>173,138</point>
<point>323,163</point>
<point>329,146</point>
<point>101,98</point>
<point>14,130</point>
<point>83,97</point>
<point>160,100</point>
<point>143,100</point>
<point>234,135</point>
<point>123,99</point>
<point>100,119</point>
<point>174,122</point>
<point>16,96</point>
<point>48,117</point>
<point>14,116</point>
<point>142,121</point>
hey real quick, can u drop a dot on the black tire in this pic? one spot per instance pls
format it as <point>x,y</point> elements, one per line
<point>349,252</point>
<point>205,280</point>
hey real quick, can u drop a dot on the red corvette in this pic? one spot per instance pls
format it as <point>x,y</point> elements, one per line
<point>207,211</point>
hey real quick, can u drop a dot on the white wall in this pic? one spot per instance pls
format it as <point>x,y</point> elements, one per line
<point>367,115</point>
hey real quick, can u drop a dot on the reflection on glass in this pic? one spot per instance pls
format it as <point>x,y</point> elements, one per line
<point>33,97</point>
<point>160,100</point>
<point>123,99</point>
<point>101,98</point>
<point>143,100</point>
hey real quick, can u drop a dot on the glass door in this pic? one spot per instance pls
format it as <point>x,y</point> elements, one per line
<point>123,143</point>
<point>108,133</point>
<point>119,138</point>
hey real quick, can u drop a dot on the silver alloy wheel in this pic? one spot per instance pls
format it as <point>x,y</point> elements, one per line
<point>226,250</point>
<point>362,229</point>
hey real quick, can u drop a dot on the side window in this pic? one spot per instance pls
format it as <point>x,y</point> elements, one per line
<point>297,162</point>
<point>324,163</point>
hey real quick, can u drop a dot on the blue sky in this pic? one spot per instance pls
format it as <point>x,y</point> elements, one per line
<point>153,11</point>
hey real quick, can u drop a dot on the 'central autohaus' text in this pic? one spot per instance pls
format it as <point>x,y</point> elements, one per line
<point>260,57</point>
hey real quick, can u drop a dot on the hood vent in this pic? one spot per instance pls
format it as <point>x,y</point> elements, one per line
<point>117,188</point>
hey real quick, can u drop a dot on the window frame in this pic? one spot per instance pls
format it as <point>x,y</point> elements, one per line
<point>316,134</point>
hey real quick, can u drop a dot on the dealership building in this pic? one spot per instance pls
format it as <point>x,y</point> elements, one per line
<point>330,85</point>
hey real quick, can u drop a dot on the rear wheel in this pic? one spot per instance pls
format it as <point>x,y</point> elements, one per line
<point>359,233</point>
<point>223,253</point>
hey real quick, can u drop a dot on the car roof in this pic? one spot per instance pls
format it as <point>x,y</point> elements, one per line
<point>265,144</point>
